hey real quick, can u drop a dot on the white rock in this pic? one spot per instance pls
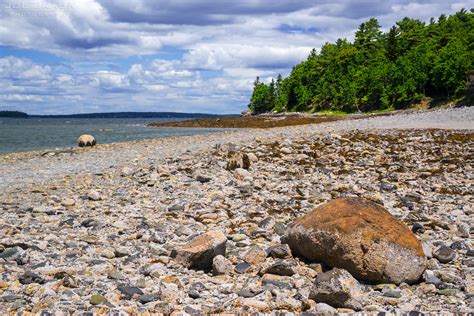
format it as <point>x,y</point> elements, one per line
<point>241,174</point>
<point>86,140</point>
<point>94,196</point>
<point>463,230</point>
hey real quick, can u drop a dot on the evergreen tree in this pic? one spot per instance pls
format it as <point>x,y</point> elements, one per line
<point>262,97</point>
<point>392,45</point>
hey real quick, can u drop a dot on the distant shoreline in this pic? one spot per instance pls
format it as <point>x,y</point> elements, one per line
<point>272,120</point>
<point>25,134</point>
<point>116,153</point>
<point>18,114</point>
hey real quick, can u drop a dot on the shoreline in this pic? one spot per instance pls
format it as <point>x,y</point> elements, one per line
<point>318,119</point>
<point>321,119</point>
<point>89,223</point>
<point>202,142</point>
<point>269,120</point>
<point>76,149</point>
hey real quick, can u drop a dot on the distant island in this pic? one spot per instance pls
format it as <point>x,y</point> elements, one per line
<point>13,114</point>
<point>117,115</point>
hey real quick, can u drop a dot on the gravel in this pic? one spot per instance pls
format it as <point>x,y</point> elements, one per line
<point>95,230</point>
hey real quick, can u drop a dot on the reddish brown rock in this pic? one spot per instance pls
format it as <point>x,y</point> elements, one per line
<point>199,252</point>
<point>361,237</point>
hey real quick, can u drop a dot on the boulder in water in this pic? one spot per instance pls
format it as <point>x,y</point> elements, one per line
<point>86,140</point>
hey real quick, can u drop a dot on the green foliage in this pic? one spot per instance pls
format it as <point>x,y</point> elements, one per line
<point>263,97</point>
<point>378,71</point>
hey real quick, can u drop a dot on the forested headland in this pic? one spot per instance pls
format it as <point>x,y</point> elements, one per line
<point>378,71</point>
<point>13,114</point>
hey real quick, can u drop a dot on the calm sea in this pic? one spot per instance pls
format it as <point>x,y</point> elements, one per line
<point>18,134</point>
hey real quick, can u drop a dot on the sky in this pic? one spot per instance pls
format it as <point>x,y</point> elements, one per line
<point>84,56</point>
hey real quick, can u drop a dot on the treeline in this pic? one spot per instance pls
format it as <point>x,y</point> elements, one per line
<point>378,70</point>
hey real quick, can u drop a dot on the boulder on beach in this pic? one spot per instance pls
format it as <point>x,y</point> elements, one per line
<point>86,140</point>
<point>200,252</point>
<point>361,237</point>
<point>238,160</point>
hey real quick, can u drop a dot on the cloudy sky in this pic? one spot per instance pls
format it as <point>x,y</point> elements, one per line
<point>82,56</point>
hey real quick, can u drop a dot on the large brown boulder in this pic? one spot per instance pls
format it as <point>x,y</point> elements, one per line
<point>361,237</point>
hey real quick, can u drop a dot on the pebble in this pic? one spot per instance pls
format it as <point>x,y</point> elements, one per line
<point>193,310</point>
<point>281,282</point>
<point>11,254</point>
<point>170,294</point>
<point>97,299</point>
<point>203,178</point>
<point>221,265</point>
<point>241,174</point>
<point>283,267</point>
<point>280,251</point>
<point>463,229</point>
<point>431,278</point>
<point>444,254</point>
<point>94,196</point>
<point>30,277</point>
<point>129,291</point>
<point>242,267</point>
<point>385,186</point>
<point>337,288</point>
<point>68,202</point>
<point>148,298</point>
<point>393,293</point>
<point>325,309</point>
<point>417,228</point>
<point>255,255</point>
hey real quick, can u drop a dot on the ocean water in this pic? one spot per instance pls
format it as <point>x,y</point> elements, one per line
<point>23,134</point>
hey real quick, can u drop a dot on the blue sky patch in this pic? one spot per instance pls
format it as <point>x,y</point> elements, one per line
<point>286,28</point>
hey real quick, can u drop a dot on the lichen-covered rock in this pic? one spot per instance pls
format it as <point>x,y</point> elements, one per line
<point>199,252</point>
<point>361,237</point>
<point>337,288</point>
<point>86,140</point>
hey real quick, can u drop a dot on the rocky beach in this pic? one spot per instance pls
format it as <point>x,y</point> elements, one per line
<point>216,223</point>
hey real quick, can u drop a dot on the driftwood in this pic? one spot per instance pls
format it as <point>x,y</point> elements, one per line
<point>58,151</point>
